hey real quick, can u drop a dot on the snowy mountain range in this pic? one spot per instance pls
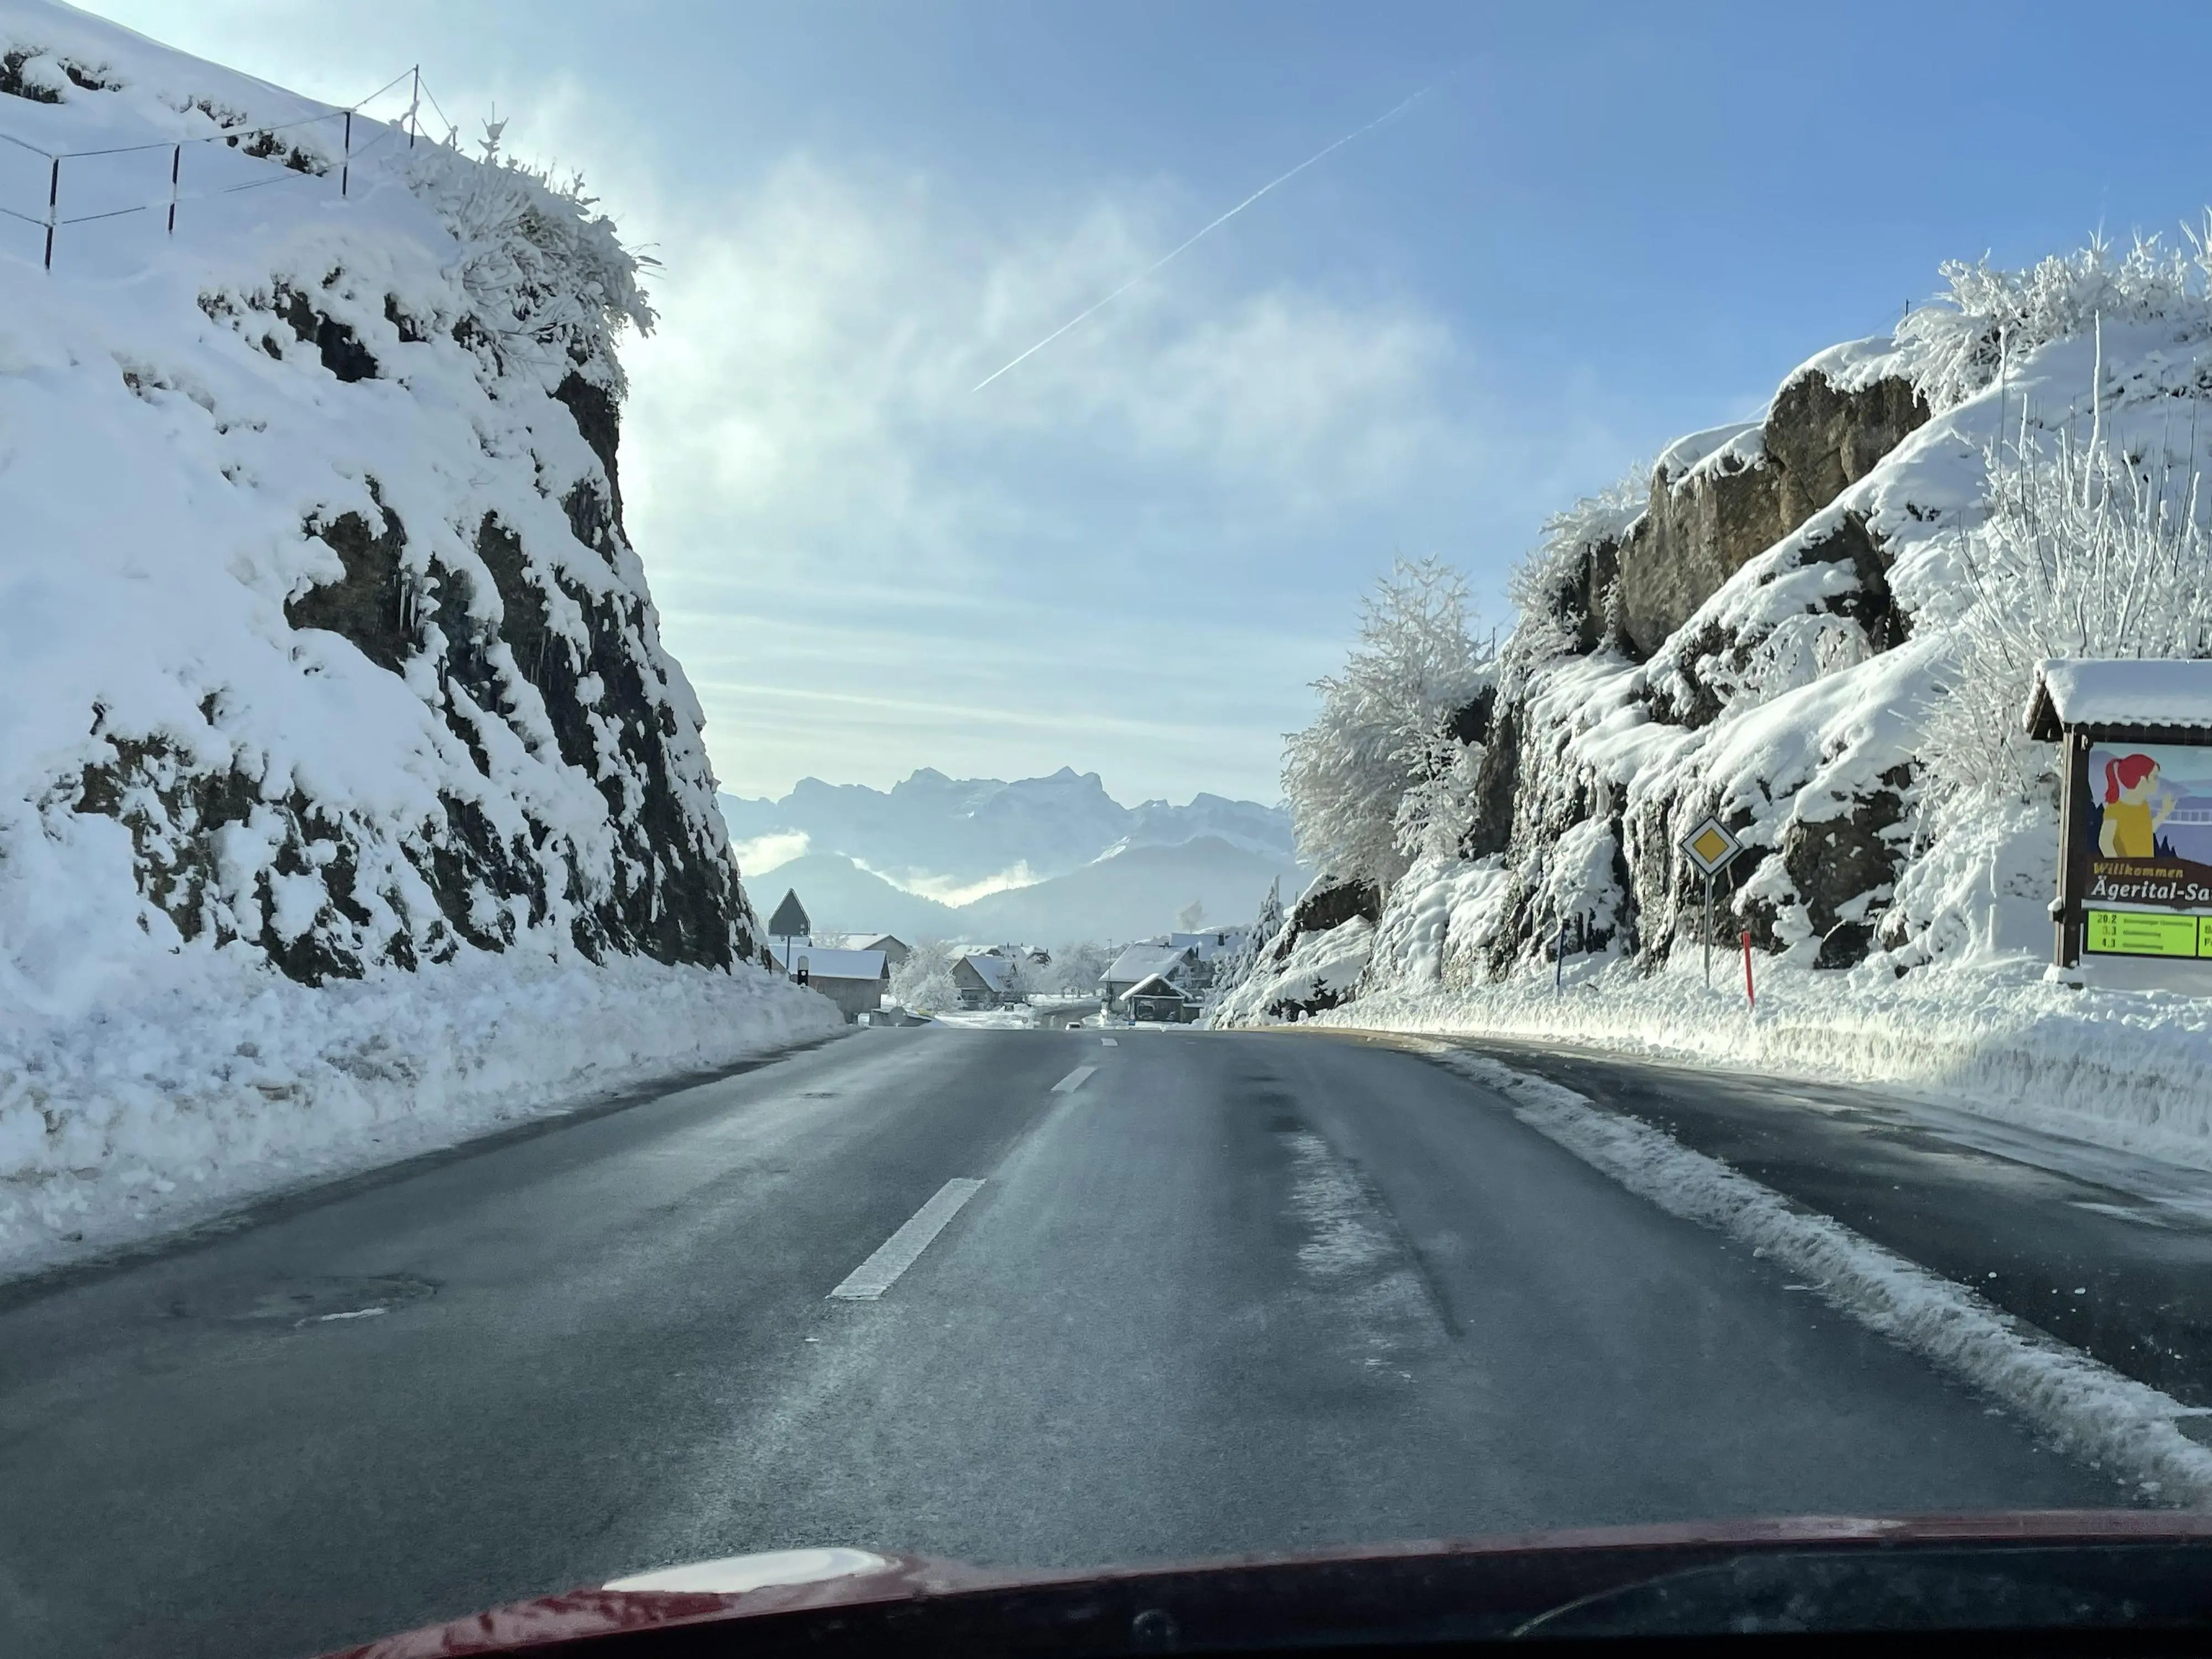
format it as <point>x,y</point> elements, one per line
<point>1048,858</point>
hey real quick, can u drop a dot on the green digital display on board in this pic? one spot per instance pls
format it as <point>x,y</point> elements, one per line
<point>2147,933</point>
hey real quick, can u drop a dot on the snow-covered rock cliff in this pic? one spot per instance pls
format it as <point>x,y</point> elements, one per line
<point>1821,627</point>
<point>324,655</point>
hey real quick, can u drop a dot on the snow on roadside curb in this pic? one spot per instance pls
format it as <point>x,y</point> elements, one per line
<point>2089,1409</point>
<point>2126,1069</point>
<point>121,1125</point>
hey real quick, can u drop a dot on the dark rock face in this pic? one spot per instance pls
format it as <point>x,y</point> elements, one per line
<point>1870,604</point>
<point>1833,862</point>
<point>1330,907</point>
<point>1693,537</point>
<point>341,353</point>
<point>598,418</point>
<point>1696,534</point>
<point>521,643</point>
<point>368,604</point>
<point>1823,440</point>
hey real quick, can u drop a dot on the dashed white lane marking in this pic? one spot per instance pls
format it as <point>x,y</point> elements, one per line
<point>903,1248</point>
<point>1073,1080</point>
<point>352,1313</point>
<point>1110,1042</point>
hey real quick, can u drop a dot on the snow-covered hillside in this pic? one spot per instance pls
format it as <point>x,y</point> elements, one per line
<point>1821,627</point>
<point>324,657</point>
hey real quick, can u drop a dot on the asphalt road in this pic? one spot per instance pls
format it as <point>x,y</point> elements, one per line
<point>1226,1292</point>
<point>2108,1251</point>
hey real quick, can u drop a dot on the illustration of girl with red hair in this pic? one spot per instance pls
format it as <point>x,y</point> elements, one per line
<point>2132,817</point>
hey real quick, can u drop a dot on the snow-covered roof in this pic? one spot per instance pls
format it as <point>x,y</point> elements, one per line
<point>1211,942</point>
<point>1155,985</point>
<point>2094,691</point>
<point>1140,960</point>
<point>997,972</point>
<point>838,964</point>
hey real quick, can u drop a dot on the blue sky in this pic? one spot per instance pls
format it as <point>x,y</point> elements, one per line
<point>1605,226</point>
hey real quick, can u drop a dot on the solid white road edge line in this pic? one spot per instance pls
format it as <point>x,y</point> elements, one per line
<point>903,1248</point>
<point>1073,1080</point>
<point>2088,1408</point>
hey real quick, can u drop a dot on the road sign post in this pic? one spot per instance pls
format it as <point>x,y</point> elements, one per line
<point>1711,848</point>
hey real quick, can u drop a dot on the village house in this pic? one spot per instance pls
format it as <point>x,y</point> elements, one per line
<point>856,981</point>
<point>987,980</point>
<point>1141,963</point>
<point>1155,1000</point>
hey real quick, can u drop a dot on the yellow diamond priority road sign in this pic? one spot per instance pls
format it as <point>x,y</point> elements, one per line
<point>1710,846</point>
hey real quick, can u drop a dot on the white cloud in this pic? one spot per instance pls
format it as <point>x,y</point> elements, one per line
<point>773,851</point>
<point>824,499</point>
<point>1131,553</point>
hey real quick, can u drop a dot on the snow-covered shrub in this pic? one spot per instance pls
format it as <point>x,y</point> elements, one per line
<point>1540,585</point>
<point>1376,775</point>
<point>923,982</point>
<point>1074,970</point>
<point>548,274</point>
<point>1957,346</point>
<point>2083,555</point>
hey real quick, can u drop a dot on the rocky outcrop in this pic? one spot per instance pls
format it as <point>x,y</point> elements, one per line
<point>1706,524</point>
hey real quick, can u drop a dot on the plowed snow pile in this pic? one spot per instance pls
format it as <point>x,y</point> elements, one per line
<point>348,798</point>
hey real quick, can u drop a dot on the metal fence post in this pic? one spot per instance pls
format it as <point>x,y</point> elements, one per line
<point>345,167</point>
<point>414,108</point>
<point>53,201</point>
<point>1709,930</point>
<point>176,170</point>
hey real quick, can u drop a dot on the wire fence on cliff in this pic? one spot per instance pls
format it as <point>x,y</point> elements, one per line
<point>44,192</point>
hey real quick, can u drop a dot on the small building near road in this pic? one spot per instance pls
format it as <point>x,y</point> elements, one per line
<point>985,981</point>
<point>1138,964</point>
<point>855,980</point>
<point>1156,1000</point>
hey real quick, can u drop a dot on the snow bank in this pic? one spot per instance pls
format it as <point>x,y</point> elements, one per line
<point>115,1126</point>
<point>2128,1069</point>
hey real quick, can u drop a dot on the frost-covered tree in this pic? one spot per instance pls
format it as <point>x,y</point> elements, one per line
<point>1958,344</point>
<point>1373,780</point>
<point>1075,968</point>
<point>548,275</point>
<point>923,982</point>
<point>2083,555</point>
<point>1540,585</point>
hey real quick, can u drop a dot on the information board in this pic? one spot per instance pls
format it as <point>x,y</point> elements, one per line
<point>2149,850</point>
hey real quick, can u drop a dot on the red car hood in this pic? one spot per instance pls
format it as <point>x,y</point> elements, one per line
<point>1258,1601</point>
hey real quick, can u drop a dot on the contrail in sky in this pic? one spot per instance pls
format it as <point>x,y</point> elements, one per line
<point>1397,109</point>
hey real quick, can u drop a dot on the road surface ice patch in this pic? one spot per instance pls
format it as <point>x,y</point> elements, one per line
<point>1353,1253</point>
<point>2088,1409</point>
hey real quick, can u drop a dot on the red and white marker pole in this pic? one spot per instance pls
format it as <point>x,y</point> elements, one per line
<point>1749,995</point>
